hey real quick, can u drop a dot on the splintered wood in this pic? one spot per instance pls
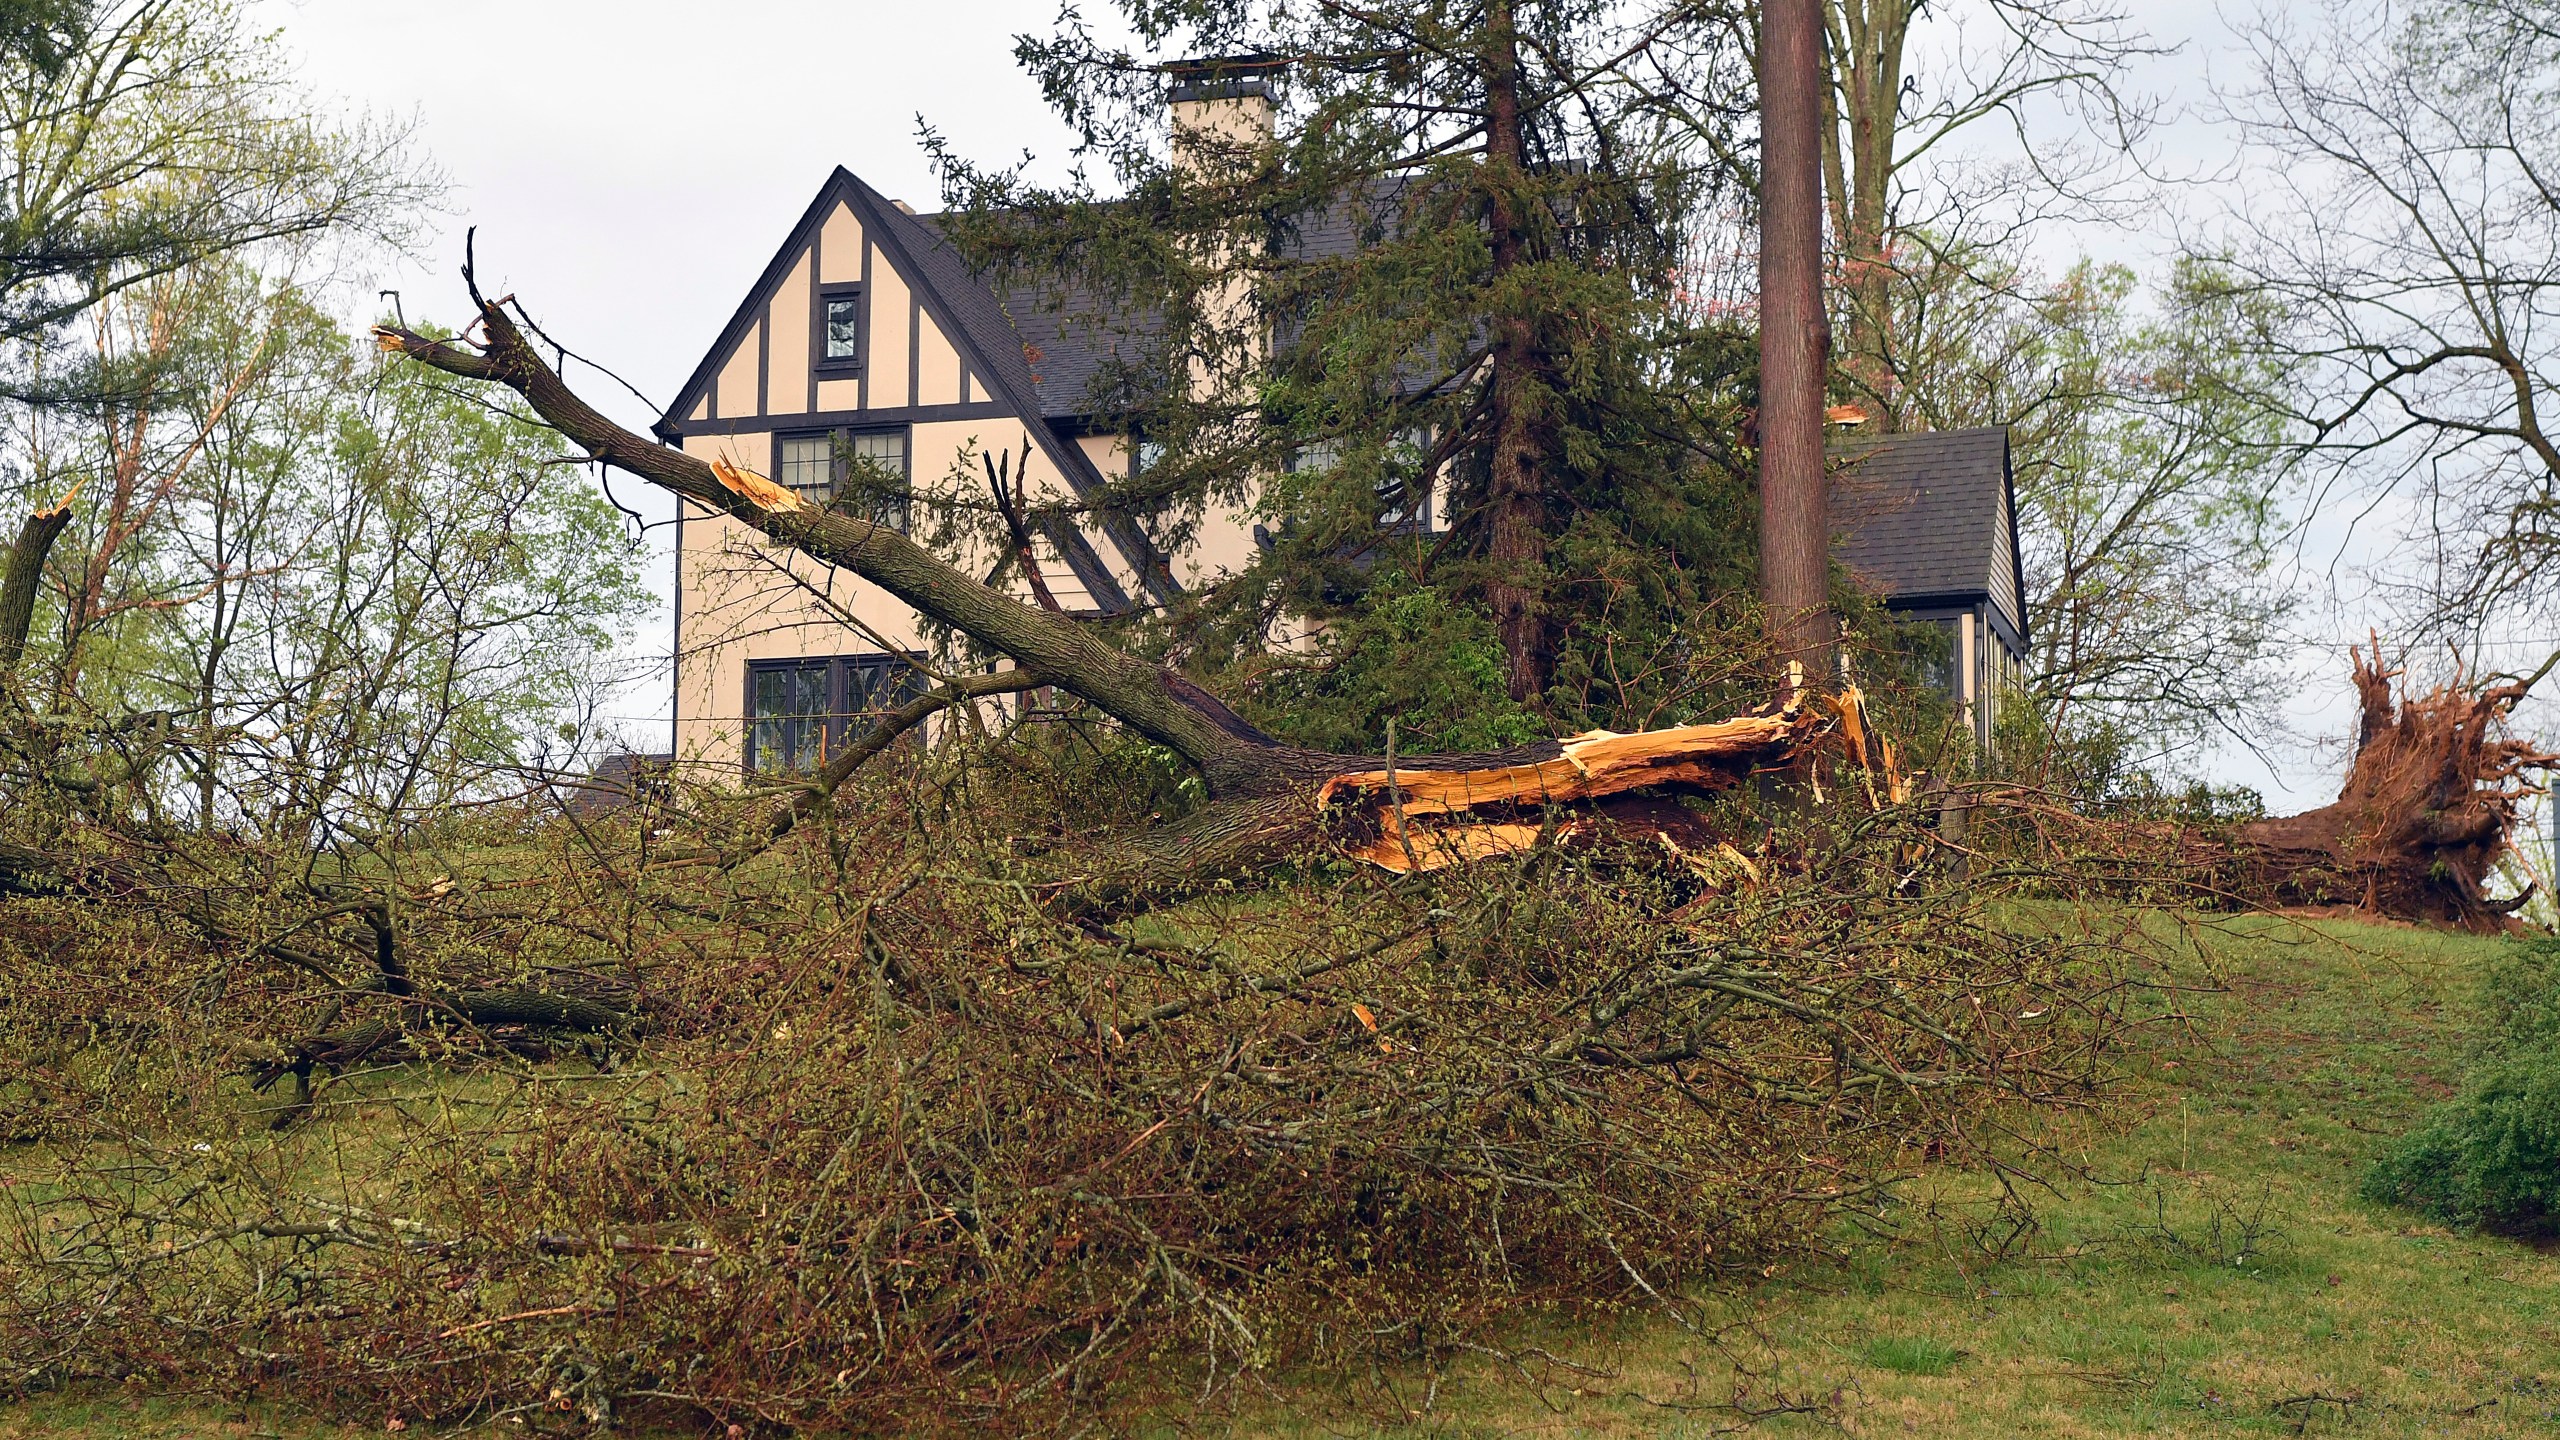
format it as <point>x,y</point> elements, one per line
<point>1589,766</point>
<point>762,492</point>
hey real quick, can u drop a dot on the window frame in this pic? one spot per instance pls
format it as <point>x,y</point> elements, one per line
<point>823,365</point>
<point>1420,517</point>
<point>839,440</point>
<point>897,681</point>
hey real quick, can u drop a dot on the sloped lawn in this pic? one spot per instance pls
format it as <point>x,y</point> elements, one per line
<point>2198,1264</point>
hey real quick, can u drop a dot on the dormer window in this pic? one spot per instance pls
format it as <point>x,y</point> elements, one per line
<point>839,330</point>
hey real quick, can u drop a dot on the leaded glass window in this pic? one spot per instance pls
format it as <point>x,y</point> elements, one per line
<point>882,478</point>
<point>807,464</point>
<point>865,469</point>
<point>801,710</point>
<point>789,705</point>
<point>840,330</point>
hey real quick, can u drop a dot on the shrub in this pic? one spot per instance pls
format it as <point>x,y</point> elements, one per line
<point>2491,1156</point>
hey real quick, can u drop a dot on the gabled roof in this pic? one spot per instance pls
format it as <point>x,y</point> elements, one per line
<point>1919,517</point>
<point>1070,340</point>
<point>969,317</point>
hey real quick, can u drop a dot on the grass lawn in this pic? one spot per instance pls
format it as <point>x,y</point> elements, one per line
<point>2213,1274</point>
<point>2208,1271</point>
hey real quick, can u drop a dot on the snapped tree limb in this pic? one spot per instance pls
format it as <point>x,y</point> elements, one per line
<point>1265,794</point>
<point>24,575</point>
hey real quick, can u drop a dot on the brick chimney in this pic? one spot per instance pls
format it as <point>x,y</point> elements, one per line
<point>1226,100</point>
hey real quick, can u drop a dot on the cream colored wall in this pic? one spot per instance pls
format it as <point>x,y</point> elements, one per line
<point>787,384</point>
<point>1238,120</point>
<point>1222,546</point>
<point>948,457</point>
<point>886,363</point>
<point>937,366</point>
<point>896,325</point>
<point>736,392</point>
<point>840,244</point>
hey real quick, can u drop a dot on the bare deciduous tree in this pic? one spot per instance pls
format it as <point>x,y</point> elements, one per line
<point>2150,494</point>
<point>2405,221</point>
<point>1898,205</point>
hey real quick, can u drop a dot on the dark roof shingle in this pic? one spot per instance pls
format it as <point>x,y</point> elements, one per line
<point>1919,516</point>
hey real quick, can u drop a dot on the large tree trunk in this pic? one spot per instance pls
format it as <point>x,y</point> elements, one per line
<point>1795,525</point>
<point>2422,819</point>
<point>1516,539</point>
<point>1864,97</point>
<point>1268,798</point>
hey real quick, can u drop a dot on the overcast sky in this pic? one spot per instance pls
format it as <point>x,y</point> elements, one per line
<point>631,164</point>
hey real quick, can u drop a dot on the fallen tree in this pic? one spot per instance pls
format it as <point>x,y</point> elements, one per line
<point>2422,822</point>
<point>2417,829</point>
<point>1267,798</point>
<point>2423,817</point>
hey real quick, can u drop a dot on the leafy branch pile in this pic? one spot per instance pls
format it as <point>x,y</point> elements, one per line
<point>877,1139</point>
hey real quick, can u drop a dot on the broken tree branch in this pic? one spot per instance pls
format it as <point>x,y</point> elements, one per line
<point>1008,497</point>
<point>1267,797</point>
<point>25,575</point>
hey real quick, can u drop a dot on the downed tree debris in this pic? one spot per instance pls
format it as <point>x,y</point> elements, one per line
<point>2421,822</point>
<point>2424,815</point>
<point>1267,799</point>
<point>1589,766</point>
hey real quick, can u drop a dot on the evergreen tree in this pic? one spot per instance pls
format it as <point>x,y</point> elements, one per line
<point>1458,254</point>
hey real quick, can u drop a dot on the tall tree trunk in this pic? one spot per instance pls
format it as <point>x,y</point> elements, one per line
<point>1517,523</point>
<point>1863,98</point>
<point>1795,518</point>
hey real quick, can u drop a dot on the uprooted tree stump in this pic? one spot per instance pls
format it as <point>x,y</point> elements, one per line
<point>2422,819</point>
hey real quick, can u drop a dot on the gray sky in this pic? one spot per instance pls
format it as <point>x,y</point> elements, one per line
<point>631,164</point>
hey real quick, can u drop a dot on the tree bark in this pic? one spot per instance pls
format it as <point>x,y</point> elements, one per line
<point>1516,525</point>
<point>1795,521</point>
<point>23,577</point>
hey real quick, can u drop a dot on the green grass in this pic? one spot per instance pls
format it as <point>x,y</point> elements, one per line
<point>2198,1264</point>
<point>2210,1272</point>
<point>1910,1355</point>
<point>123,1414</point>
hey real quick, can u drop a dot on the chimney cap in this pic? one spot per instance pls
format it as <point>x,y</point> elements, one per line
<point>1224,77</point>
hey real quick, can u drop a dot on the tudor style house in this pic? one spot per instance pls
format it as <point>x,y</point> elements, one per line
<point>868,343</point>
